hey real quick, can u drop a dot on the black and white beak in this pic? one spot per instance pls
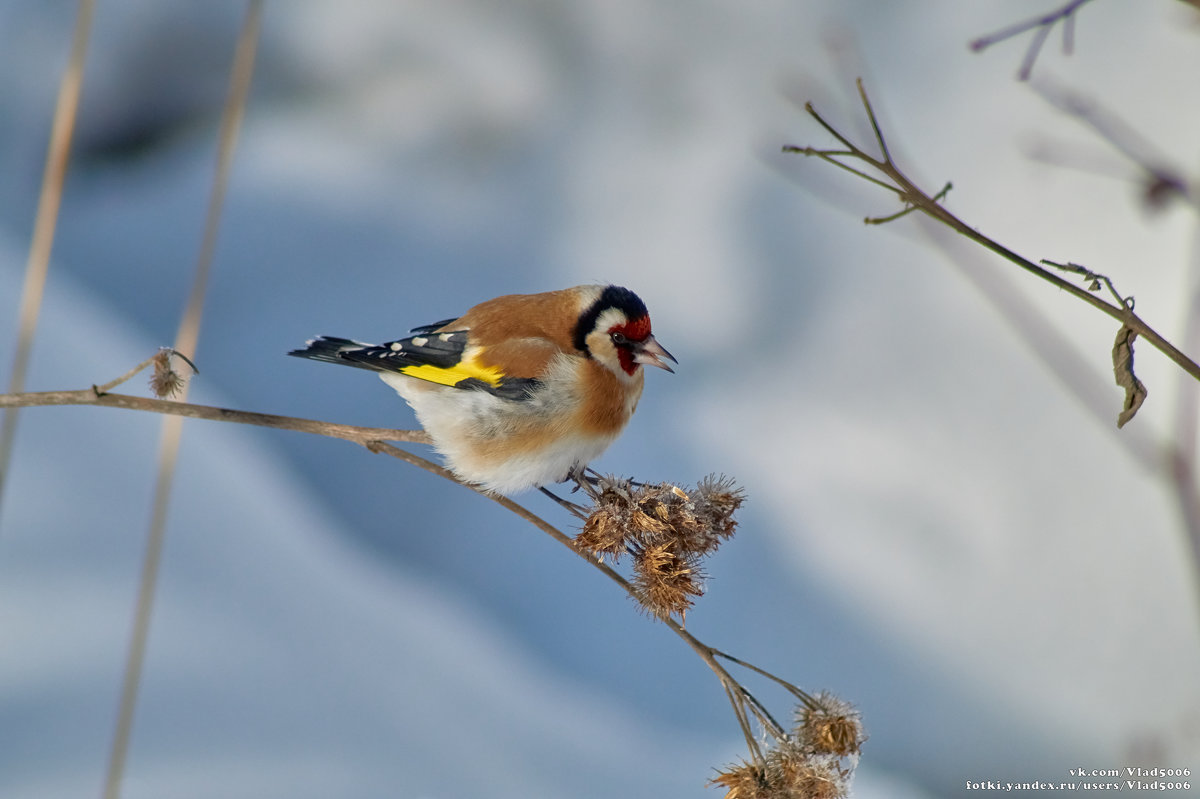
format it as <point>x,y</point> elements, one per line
<point>650,353</point>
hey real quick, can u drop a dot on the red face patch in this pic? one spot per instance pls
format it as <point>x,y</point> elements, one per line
<point>635,330</point>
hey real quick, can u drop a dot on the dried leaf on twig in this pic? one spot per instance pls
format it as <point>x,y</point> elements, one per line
<point>1135,390</point>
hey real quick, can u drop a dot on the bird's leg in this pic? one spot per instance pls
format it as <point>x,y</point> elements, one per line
<point>571,507</point>
<point>594,477</point>
<point>587,479</point>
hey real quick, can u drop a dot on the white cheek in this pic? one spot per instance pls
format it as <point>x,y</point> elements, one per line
<point>603,351</point>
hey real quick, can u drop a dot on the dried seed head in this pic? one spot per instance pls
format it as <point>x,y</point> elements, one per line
<point>742,781</point>
<point>648,526</point>
<point>795,775</point>
<point>666,528</point>
<point>788,773</point>
<point>609,528</point>
<point>666,581</point>
<point>604,533</point>
<point>718,499</point>
<point>833,727</point>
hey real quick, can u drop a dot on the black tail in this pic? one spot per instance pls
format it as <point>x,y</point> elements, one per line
<point>330,349</point>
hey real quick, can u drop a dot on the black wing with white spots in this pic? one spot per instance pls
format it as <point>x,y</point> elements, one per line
<point>435,357</point>
<point>443,351</point>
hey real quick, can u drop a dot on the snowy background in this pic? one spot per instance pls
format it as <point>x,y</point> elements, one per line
<point>937,529</point>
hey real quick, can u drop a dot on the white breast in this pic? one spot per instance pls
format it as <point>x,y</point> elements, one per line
<point>485,440</point>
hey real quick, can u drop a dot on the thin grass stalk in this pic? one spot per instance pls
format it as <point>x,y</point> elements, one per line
<point>38,265</point>
<point>185,343</point>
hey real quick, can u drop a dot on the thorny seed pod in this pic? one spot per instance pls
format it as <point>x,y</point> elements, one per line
<point>833,727</point>
<point>667,529</point>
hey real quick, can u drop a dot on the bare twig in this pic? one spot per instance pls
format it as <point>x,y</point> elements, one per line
<point>38,265</point>
<point>1160,184</point>
<point>803,696</point>
<point>1047,343</point>
<point>1041,25</point>
<point>111,384</point>
<point>888,175</point>
<point>1094,279</point>
<point>90,396</point>
<point>894,180</point>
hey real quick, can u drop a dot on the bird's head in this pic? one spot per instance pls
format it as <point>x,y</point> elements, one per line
<point>615,330</point>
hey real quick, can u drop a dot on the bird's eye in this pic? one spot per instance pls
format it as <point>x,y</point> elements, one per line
<point>619,339</point>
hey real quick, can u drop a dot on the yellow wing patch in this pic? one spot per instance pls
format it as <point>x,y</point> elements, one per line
<point>466,369</point>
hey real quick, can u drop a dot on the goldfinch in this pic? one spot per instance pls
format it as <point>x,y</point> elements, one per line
<point>521,390</point>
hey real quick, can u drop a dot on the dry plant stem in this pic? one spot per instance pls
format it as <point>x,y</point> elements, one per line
<point>38,265</point>
<point>88,396</point>
<point>1162,183</point>
<point>1063,361</point>
<point>172,428</point>
<point>1046,341</point>
<point>801,695</point>
<point>739,697</point>
<point>913,196</point>
<point>916,199</point>
<point>111,384</point>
